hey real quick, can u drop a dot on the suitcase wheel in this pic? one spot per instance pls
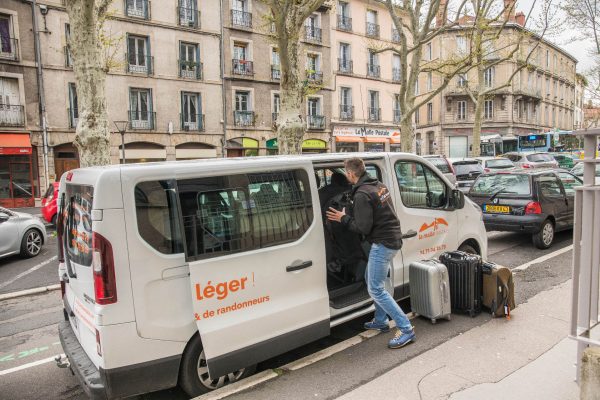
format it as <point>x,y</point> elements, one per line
<point>433,321</point>
<point>472,314</point>
<point>449,317</point>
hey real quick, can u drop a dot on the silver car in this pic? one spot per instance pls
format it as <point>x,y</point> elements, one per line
<point>532,160</point>
<point>20,233</point>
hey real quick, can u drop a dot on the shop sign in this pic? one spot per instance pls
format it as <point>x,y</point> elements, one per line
<point>365,131</point>
<point>15,150</point>
<point>307,144</point>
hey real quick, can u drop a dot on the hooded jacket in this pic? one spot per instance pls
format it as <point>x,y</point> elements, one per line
<point>373,214</point>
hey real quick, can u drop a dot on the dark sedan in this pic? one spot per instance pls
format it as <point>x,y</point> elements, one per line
<point>539,202</point>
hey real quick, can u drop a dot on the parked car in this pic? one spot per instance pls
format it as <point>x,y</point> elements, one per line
<point>578,172</point>
<point>491,164</point>
<point>532,160</point>
<point>442,163</point>
<point>538,202</point>
<point>466,170</point>
<point>20,233</point>
<point>49,203</point>
<point>565,160</point>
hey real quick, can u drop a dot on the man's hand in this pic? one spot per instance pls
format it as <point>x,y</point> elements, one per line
<point>335,215</point>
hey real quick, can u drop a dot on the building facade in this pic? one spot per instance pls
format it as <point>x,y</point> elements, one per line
<point>579,117</point>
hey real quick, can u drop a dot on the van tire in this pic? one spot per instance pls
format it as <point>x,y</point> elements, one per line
<point>31,244</point>
<point>545,237</point>
<point>467,248</point>
<point>189,376</point>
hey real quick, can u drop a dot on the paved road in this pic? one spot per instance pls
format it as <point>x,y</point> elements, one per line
<point>28,334</point>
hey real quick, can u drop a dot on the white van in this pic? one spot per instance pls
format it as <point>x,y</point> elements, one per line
<point>191,272</point>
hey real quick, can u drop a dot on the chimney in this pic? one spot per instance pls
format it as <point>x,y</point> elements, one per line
<point>520,18</point>
<point>509,10</point>
<point>442,15</point>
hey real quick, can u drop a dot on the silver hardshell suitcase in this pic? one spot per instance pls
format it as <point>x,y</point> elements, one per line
<point>430,289</point>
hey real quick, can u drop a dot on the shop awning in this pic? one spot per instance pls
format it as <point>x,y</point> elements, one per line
<point>374,139</point>
<point>349,139</point>
<point>15,143</point>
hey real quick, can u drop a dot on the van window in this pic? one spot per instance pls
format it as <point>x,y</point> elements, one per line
<point>157,217</point>
<point>78,224</point>
<point>236,213</point>
<point>420,187</point>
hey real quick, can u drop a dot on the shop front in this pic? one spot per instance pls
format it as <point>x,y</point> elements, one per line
<point>17,181</point>
<point>350,139</point>
<point>142,152</point>
<point>242,147</point>
<point>309,146</point>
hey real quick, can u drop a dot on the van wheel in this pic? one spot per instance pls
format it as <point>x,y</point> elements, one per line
<point>193,373</point>
<point>31,244</point>
<point>545,237</point>
<point>467,248</point>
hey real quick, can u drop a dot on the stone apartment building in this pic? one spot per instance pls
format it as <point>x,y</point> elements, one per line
<point>251,79</point>
<point>19,107</point>
<point>581,84</point>
<point>540,99</point>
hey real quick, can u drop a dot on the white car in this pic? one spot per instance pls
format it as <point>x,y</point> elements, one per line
<point>578,171</point>
<point>491,164</point>
<point>20,233</point>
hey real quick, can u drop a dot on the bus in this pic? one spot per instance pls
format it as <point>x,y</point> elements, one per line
<point>545,142</point>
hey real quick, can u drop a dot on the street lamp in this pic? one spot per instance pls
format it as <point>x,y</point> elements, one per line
<point>122,127</point>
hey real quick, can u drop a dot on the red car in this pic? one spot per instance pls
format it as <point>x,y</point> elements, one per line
<point>49,203</point>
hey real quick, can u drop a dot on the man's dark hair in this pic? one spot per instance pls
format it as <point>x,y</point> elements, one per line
<point>356,165</point>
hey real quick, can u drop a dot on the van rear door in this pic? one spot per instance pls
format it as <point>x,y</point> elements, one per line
<point>254,243</point>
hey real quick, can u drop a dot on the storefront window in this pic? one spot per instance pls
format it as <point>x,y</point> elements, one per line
<point>375,147</point>
<point>345,147</point>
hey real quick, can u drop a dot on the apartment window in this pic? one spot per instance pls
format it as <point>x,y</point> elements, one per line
<point>346,108</point>
<point>428,52</point>
<point>374,110</point>
<point>188,13</point>
<point>553,117</point>
<point>396,68</point>
<point>548,58</point>
<point>241,63</point>
<point>397,112</point>
<point>68,58</point>
<point>73,107</point>
<point>488,109</point>
<point>275,64</point>
<point>276,106</point>
<point>429,112</point>
<point>312,28</point>
<point>546,115</point>
<point>243,116</point>
<point>315,118</point>
<point>137,8</point>
<point>345,62</point>
<point>555,63</point>
<point>138,55</point>
<point>373,69</point>
<point>344,22</point>
<point>313,68</point>
<point>461,44</point>
<point>462,110</point>
<point>555,84</point>
<point>372,28</point>
<point>418,116</point>
<point>488,77</point>
<point>548,87</point>
<point>240,17</point>
<point>191,112</point>
<point>189,61</point>
<point>462,80</point>
<point>417,86</point>
<point>429,81</point>
<point>140,111</point>
<point>12,113</point>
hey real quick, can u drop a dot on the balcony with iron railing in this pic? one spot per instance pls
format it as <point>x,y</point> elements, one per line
<point>313,34</point>
<point>143,120</point>
<point>315,122</point>
<point>344,23</point>
<point>12,116</point>
<point>9,49</point>
<point>142,64</point>
<point>190,69</point>
<point>397,116</point>
<point>344,66</point>
<point>372,30</point>
<point>192,122</point>
<point>373,70</point>
<point>374,114</point>
<point>243,118</point>
<point>241,19</point>
<point>275,72</point>
<point>396,74</point>
<point>346,112</point>
<point>314,77</point>
<point>528,91</point>
<point>395,36</point>
<point>188,17</point>
<point>73,117</point>
<point>137,9</point>
<point>242,67</point>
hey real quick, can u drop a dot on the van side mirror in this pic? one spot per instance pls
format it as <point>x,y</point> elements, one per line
<point>457,199</point>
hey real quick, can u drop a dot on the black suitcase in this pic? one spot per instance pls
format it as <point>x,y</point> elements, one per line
<point>466,281</point>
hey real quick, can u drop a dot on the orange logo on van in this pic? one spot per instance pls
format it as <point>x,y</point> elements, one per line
<point>220,290</point>
<point>438,226</point>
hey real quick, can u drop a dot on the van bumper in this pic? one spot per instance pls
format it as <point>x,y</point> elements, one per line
<point>81,365</point>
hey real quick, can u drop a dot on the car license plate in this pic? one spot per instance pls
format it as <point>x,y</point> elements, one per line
<point>497,209</point>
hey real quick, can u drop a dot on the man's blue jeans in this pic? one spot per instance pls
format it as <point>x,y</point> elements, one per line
<point>380,258</point>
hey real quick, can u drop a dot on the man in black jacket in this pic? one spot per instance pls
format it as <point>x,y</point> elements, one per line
<point>373,216</point>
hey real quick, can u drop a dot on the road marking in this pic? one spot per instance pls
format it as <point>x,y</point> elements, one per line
<point>12,295</point>
<point>30,270</point>
<point>543,258</point>
<point>29,365</point>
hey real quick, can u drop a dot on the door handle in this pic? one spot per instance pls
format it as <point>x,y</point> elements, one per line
<point>305,264</point>
<point>409,235</point>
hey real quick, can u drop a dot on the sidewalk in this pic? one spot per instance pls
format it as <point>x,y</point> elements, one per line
<point>528,357</point>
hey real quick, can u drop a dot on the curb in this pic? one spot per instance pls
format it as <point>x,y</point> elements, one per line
<point>28,292</point>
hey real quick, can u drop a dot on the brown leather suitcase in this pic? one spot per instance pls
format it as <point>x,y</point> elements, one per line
<point>498,289</point>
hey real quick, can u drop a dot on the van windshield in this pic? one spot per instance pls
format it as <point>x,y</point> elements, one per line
<point>78,224</point>
<point>513,184</point>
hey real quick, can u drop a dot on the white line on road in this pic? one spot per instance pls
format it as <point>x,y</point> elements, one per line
<point>30,270</point>
<point>29,365</point>
<point>543,258</point>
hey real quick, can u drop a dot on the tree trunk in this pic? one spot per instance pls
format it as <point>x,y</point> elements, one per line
<point>92,137</point>
<point>476,152</point>
<point>290,127</point>
<point>406,135</point>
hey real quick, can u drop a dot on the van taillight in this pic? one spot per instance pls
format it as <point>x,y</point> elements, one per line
<point>59,236</point>
<point>98,345</point>
<point>533,207</point>
<point>105,285</point>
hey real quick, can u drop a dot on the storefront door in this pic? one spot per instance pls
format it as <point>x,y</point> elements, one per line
<point>16,188</point>
<point>62,165</point>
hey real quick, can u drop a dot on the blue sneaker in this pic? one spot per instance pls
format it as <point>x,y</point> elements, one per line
<point>401,339</point>
<point>377,326</point>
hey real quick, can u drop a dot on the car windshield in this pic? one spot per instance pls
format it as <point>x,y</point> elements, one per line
<point>440,164</point>
<point>514,184</point>
<point>499,163</point>
<point>466,168</point>
<point>540,157</point>
<point>578,170</point>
